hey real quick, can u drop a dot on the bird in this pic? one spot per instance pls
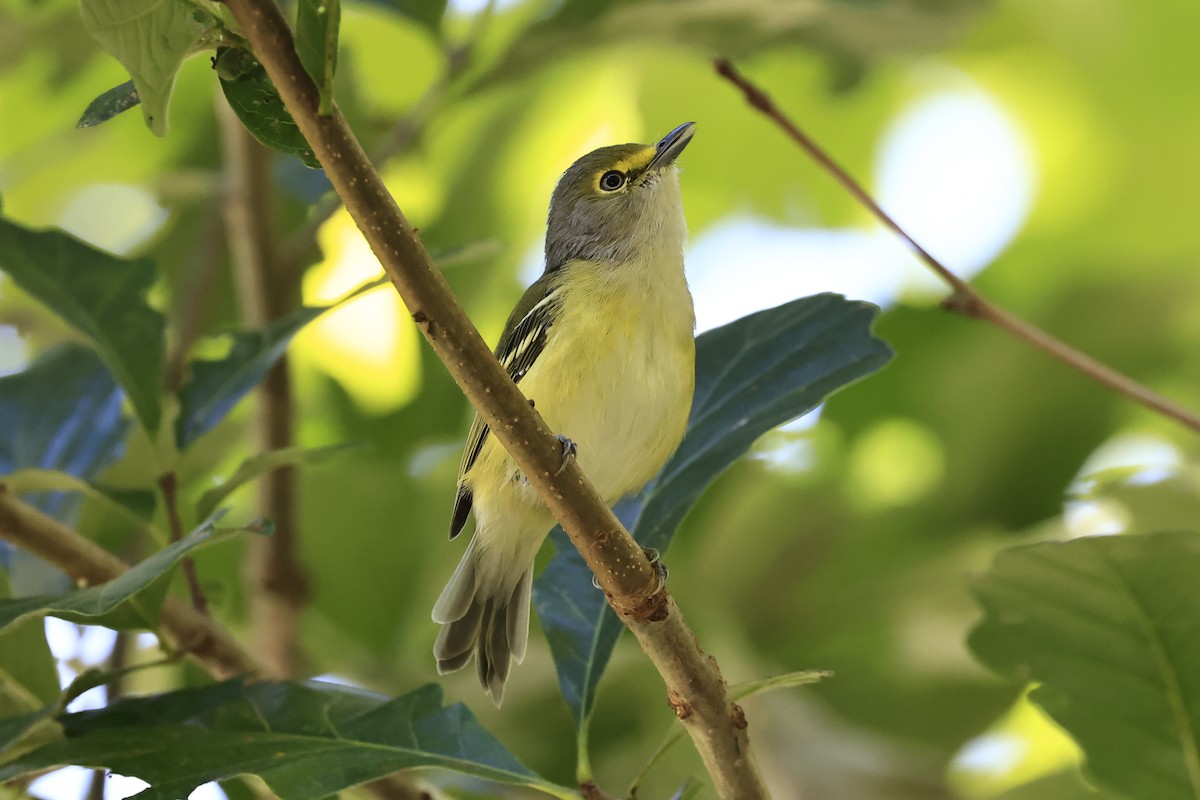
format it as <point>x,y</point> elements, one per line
<point>603,345</point>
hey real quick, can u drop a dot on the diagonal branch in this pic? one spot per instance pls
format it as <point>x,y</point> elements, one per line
<point>88,563</point>
<point>963,299</point>
<point>695,687</point>
<point>403,135</point>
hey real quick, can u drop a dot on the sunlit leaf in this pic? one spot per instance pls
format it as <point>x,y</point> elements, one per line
<point>306,741</point>
<point>1106,627</point>
<point>258,105</point>
<point>125,601</point>
<point>262,463</point>
<point>317,24</point>
<point>101,296</point>
<point>108,105</point>
<point>151,38</point>
<point>751,375</point>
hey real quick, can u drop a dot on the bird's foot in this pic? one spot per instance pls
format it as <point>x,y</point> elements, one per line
<point>660,569</point>
<point>569,449</point>
<point>568,452</point>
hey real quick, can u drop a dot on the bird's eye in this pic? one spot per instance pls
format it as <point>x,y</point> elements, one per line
<point>612,180</point>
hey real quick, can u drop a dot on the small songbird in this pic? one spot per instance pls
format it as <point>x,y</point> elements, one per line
<point>603,344</point>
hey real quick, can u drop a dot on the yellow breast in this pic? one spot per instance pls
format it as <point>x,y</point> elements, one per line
<point>616,376</point>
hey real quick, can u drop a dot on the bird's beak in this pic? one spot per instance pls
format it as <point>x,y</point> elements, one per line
<point>671,145</point>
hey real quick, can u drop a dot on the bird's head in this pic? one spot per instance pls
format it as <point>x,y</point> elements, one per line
<point>615,202</point>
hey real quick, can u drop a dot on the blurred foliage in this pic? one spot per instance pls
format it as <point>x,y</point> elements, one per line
<point>848,544</point>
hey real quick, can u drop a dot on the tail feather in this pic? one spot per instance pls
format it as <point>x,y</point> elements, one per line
<point>487,621</point>
<point>455,601</point>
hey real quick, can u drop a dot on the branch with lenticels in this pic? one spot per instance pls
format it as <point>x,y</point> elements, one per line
<point>694,684</point>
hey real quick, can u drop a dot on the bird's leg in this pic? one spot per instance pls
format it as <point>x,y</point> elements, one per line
<point>660,569</point>
<point>568,452</point>
<point>569,449</point>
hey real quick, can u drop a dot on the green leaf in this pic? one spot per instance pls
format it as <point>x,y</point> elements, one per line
<point>257,104</point>
<point>751,375</point>
<point>261,464</point>
<point>123,602</point>
<point>22,733</point>
<point>101,296</point>
<point>28,678</point>
<point>151,38</point>
<point>215,387</point>
<point>62,413</point>
<point>317,24</point>
<point>132,505</point>
<point>306,740</point>
<point>788,680</point>
<point>1107,627</point>
<point>108,105</point>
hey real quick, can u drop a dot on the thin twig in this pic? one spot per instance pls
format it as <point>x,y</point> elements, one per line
<point>169,484</point>
<point>89,564</point>
<point>964,300</point>
<point>403,135</point>
<point>191,302</point>
<point>694,685</point>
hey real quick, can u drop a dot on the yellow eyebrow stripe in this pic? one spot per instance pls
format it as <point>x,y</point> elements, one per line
<point>637,161</point>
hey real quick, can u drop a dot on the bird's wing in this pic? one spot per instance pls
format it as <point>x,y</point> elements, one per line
<point>523,340</point>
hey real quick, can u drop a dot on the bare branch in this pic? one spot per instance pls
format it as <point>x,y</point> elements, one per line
<point>964,300</point>
<point>168,483</point>
<point>715,724</point>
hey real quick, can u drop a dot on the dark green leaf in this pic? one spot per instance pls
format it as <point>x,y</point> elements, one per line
<point>1107,627</point>
<point>103,297</point>
<point>307,741</point>
<point>24,732</point>
<point>261,464</point>
<point>62,413</point>
<point>151,38</point>
<point>317,24</point>
<point>108,105</point>
<point>123,602</point>
<point>216,386</point>
<point>257,104</point>
<point>751,375</point>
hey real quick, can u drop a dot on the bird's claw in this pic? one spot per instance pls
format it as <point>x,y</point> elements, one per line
<point>568,452</point>
<point>569,449</point>
<point>660,569</point>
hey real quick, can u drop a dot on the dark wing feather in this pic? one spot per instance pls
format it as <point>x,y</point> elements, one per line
<point>523,340</point>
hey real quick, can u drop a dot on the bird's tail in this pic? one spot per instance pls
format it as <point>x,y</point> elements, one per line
<point>484,614</point>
